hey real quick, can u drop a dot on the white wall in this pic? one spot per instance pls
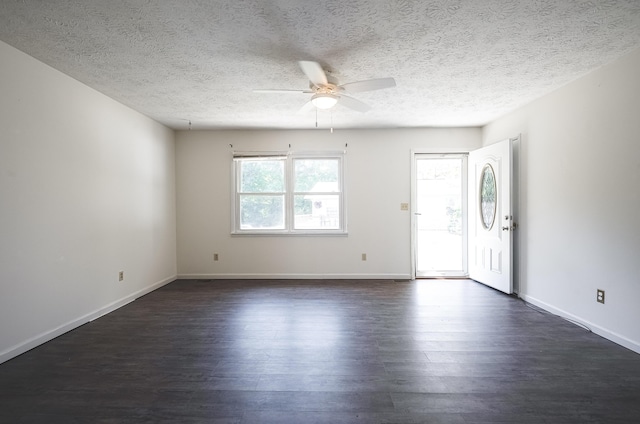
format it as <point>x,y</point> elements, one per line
<point>378,172</point>
<point>580,199</point>
<point>87,188</point>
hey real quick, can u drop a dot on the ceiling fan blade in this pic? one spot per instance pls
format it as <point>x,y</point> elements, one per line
<point>354,104</point>
<point>306,108</point>
<point>281,91</point>
<point>369,85</point>
<point>314,72</point>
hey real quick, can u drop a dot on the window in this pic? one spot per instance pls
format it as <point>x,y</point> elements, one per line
<point>288,194</point>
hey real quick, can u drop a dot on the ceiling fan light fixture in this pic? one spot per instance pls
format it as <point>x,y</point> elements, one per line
<point>324,100</point>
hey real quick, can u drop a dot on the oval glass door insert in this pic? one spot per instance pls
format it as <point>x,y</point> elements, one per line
<point>488,197</point>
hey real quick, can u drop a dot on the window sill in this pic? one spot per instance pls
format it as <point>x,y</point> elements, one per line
<point>290,234</point>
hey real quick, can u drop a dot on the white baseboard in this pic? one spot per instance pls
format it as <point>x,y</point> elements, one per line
<point>46,336</point>
<point>128,299</point>
<point>603,332</point>
<point>294,276</point>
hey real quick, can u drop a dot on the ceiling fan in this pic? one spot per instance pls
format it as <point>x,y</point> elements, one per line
<point>327,93</point>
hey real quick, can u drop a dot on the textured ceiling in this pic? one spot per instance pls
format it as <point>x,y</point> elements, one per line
<point>456,63</point>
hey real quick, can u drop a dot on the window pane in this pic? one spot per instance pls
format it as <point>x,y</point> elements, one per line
<point>317,175</point>
<point>316,212</point>
<point>261,212</point>
<point>262,176</point>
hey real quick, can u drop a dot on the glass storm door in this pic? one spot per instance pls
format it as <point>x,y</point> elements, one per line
<point>491,222</point>
<point>440,215</point>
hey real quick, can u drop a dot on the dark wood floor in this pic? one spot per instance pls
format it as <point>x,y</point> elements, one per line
<point>429,351</point>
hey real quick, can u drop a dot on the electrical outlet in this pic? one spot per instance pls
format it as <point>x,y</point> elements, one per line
<point>364,256</point>
<point>600,296</point>
<point>121,276</point>
<point>404,206</point>
<point>215,257</point>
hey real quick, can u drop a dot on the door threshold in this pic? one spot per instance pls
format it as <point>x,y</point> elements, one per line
<point>443,277</point>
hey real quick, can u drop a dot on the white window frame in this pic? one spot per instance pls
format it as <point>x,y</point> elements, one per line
<point>289,158</point>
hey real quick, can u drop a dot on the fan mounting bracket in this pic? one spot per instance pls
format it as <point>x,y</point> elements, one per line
<point>329,88</point>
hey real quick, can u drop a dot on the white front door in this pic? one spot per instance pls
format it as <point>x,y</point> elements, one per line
<point>491,223</point>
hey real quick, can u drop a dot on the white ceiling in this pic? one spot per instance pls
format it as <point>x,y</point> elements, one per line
<point>456,62</point>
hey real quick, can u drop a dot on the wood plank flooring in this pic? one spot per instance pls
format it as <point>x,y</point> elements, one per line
<point>324,351</point>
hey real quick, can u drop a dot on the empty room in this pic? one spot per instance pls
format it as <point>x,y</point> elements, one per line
<point>320,212</point>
